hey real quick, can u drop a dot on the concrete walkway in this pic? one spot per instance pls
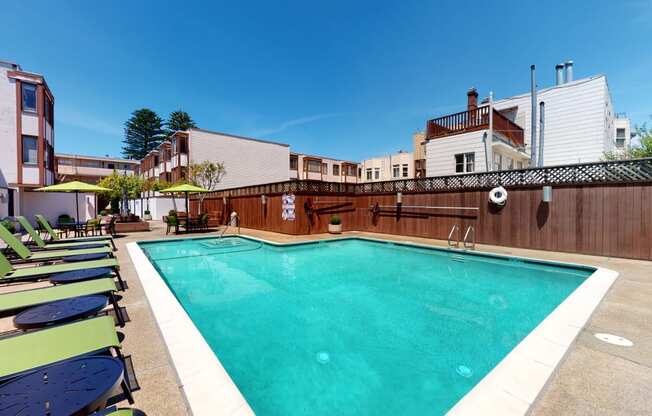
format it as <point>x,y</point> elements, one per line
<point>595,378</point>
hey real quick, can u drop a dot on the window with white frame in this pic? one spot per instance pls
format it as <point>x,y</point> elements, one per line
<point>620,137</point>
<point>376,173</point>
<point>465,162</point>
<point>368,174</point>
<point>314,166</point>
<point>336,169</point>
<point>405,170</point>
<point>395,171</point>
<point>498,161</point>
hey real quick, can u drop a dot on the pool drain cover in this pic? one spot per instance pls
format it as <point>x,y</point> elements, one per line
<point>464,371</point>
<point>323,357</point>
<point>614,340</point>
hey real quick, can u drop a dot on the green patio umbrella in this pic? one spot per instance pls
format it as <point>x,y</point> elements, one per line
<point>76,187</point>
<point>186,189</point>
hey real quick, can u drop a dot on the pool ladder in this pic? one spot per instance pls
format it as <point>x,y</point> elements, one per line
<point>469,237</point>
<point>228,224</point>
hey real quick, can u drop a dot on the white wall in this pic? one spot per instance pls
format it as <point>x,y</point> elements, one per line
<point>158,206</point>
<point>441,152</point>
<point>578,119</point>
<point>247,162</point>
<point>385,164</point>
<point>53,204</point>
<point>8,163</point>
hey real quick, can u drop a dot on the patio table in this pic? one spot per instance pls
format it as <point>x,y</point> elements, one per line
<point>85,257</point>
<point>80,275</point>
<point>76,386</point>
<point>74,226</point>
<point>60,311</point>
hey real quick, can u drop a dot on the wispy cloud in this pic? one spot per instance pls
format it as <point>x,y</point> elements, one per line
<point>76,118</point>
<point>293,123</point>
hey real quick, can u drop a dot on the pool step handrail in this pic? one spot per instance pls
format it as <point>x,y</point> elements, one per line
<point>451,242</point>
<point>236,217</point>
<point>470,233</point>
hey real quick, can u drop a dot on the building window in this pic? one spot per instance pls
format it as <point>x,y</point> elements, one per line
<point>620,137</point>
<point>376,173</point>
<point>111,166</point>
<point>395,171</point>
<point>510,163</point>
<point>498,161</point>
<point>324,168</point>
<point>519,165</point>
<point>464,162</point>
<point>66,162</point>
<point>336,170</point>
<point>314,166</point>
<point>405,170</point>
<point>30,150</point>
<point>368,174</point>
<point>294,162</point>
<point>29,97</point>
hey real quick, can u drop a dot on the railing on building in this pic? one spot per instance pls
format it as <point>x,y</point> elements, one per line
<point>623,171</point>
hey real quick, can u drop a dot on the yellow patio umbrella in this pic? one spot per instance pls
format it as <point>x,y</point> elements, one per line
<point>185,188</point>
<point>76,187</point>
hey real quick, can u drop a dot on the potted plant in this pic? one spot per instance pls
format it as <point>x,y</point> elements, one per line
<point>335,225</point>
<point>147,215</point>
<point>11,227</point>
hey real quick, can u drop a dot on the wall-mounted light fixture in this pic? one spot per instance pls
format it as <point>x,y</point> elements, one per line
<point>263,199</point>
<point>224,200</point>
<point>547,194</point>
<point>399,197</point>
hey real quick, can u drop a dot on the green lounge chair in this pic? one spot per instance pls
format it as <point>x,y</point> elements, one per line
<point>30,351</point>
<point>36,238</point>
<point>54,236</point>
<point>9,274</point>
<point>48,255</point>
<point>114,411</point>
<point>22,299</point>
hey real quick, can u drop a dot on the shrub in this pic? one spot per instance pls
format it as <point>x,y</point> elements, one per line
<point>9,225</point>
<point>335,220</point>
<point>147,212</point>
<point>172,213</point>
<point>104,213</point>
<point>64,218</point>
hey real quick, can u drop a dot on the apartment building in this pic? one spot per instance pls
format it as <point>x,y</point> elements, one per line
<point>27,137</point>
<point>91,169</point>
<point>400,165</point>
<point>579,125</point>
<point>319,168</point>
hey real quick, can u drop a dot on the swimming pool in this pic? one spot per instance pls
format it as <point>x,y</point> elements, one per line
<point>355,326</point>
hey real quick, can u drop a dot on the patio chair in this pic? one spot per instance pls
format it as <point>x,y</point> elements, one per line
<point>108,227</point>
<point>55,237</point>
<point>33,350</point>
<point>172,222</point>
<point>114,411</point>
<point>36,238</point>
<point>23,299</point>
<point>26,255</point>
<point>9,274</point>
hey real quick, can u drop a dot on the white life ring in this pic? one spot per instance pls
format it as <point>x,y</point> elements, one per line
<point>498,195</point>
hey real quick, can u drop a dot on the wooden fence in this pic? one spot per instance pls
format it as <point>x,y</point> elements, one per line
<point>610,217</point>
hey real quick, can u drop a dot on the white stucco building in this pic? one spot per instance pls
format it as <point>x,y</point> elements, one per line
<point>320,168</point>
<point>579,126</point>
<point>395,166</point>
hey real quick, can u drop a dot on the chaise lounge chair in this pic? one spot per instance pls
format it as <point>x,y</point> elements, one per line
<point>37,349</point>
<point>26,255</point>
<point>55,238</point>
<point>10,274</point>
<point>22,299</point>
<point>36,238</point>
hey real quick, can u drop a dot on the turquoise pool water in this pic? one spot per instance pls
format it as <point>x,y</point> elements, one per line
<point>355,327</point>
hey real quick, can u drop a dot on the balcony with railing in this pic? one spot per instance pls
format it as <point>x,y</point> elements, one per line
<point>474,120</point>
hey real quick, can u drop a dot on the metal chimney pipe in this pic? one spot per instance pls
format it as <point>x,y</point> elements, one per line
<point>559,71</point>
<point>568,67</point>
<point>542,122</point>
<point>533,120</point>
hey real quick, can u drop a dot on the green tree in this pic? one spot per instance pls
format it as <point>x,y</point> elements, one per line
<point>179,120</point>
<point>206,175</point>
<point>143,132</point>
<point>119,184</point>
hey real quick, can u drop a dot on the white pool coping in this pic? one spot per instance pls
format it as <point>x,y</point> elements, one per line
<point>509,389</point>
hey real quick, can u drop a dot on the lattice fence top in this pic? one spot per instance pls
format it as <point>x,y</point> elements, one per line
<point>622,171</point>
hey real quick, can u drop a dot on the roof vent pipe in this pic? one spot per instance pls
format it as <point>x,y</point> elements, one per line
<point>568,68</point>
<point>533,119</point>
<point>542,121</point>
<point>559,71</point>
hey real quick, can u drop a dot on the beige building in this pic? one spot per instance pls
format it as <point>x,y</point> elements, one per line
<point>318,168</point>
<point>91,169</point>
<point>396,166</point>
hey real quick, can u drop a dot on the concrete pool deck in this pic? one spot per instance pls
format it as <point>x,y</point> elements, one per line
<point>593,378</point>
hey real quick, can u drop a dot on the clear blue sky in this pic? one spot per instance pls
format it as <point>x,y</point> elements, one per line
<point>341,78</point>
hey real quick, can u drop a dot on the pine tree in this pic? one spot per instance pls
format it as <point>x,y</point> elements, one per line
<point>143,132</point>
<point>179,120</point>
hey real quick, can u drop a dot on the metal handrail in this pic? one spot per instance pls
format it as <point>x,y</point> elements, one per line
<point>450,237</point>
<point>427,206</point>
<point>470,230</point>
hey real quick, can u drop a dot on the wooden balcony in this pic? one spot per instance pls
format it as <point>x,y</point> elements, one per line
<point>474,120</point>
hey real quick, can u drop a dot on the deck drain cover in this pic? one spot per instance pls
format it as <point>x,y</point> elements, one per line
<point>464,371</point>
<point>323,357</point>
<point>614,339</point>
